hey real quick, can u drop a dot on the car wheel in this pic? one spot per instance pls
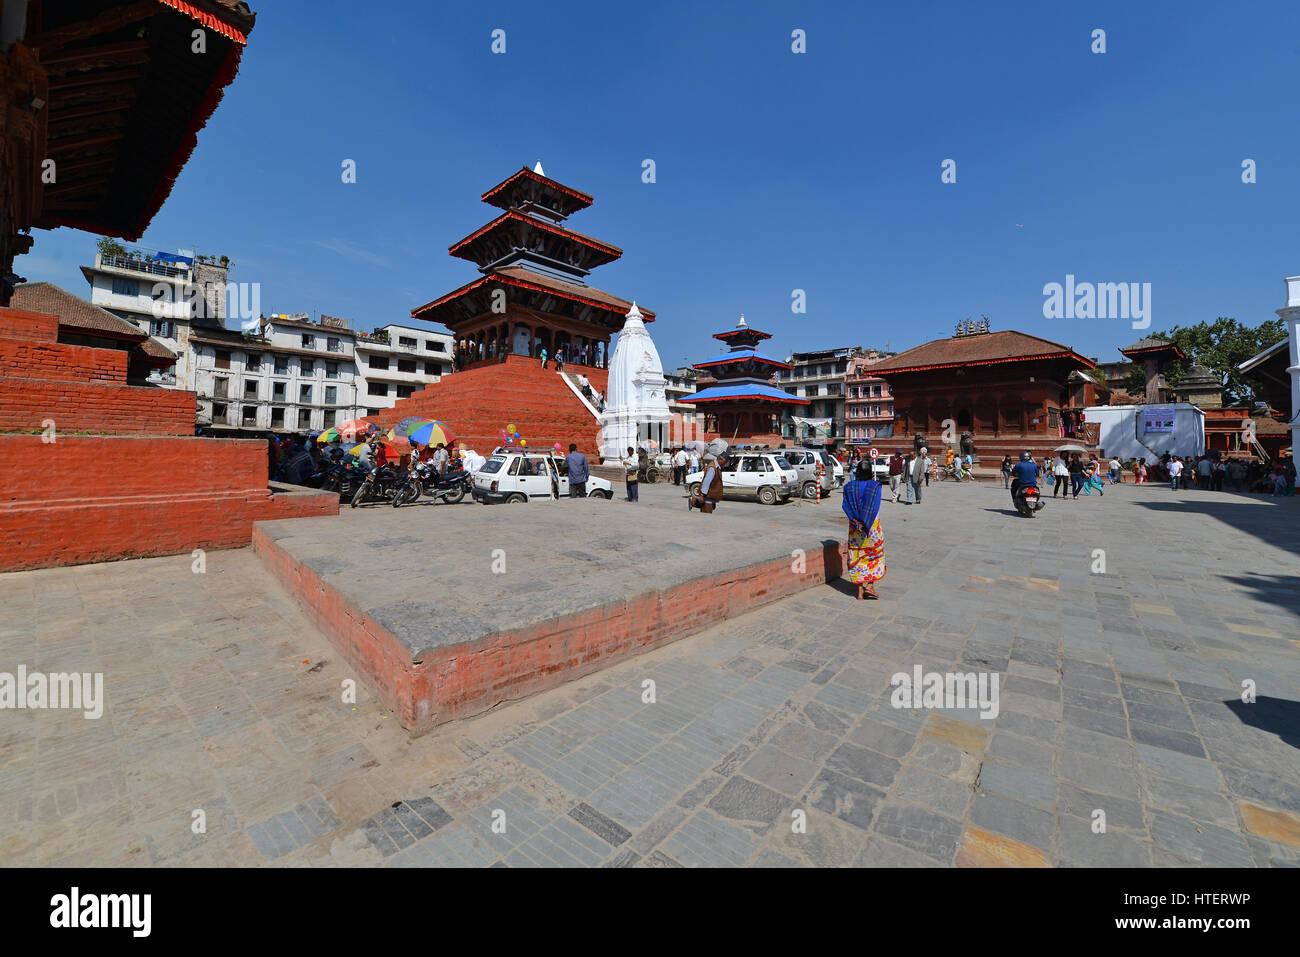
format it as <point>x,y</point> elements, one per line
<point>767,495</point>
<point>606,495</point>
<point>694,489</point>
<point>810,489</point>
<point>517,499</point>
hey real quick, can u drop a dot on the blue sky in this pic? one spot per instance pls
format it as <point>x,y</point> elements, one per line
<point>775,171</point>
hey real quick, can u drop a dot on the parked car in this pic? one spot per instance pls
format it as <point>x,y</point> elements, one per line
<point>514,476</point>
<point>805,462</point>
<point>766,477</point>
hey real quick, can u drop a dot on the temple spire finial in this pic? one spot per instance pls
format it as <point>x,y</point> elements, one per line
<point>538,169</point>
<point>741,324</point>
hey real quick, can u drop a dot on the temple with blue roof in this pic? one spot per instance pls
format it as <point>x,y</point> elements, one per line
<point>740,404</point>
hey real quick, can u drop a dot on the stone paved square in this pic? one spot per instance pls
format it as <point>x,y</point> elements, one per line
<point>772,740</point>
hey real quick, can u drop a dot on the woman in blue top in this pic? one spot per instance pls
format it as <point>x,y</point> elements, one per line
<point>866,540</point>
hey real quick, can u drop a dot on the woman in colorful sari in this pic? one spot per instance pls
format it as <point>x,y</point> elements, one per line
<point>866,540</point>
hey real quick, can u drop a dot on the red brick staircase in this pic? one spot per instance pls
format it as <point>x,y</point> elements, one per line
<point>478,402</point>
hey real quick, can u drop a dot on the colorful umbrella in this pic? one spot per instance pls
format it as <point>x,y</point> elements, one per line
<point>431,433</point>
<point>393,450</point>
<point>408,425</point>
<point>348,431</point>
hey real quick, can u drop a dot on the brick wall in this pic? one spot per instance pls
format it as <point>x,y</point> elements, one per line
<point>94,407</point>
<point>102,498</point>
<point>51,360</point>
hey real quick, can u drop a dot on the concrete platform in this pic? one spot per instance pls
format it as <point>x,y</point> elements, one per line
<point>449,610</point>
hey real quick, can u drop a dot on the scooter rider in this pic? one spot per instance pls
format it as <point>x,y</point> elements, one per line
<point>1024,472</point>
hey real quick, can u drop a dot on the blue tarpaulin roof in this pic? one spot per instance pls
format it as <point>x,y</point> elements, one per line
<point>173,258</point>
<point>745,390</point>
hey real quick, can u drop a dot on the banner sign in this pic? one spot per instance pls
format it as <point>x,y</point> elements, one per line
<point>1158,418</point>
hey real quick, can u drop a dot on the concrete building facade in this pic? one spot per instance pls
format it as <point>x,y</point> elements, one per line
<point>395,361</point>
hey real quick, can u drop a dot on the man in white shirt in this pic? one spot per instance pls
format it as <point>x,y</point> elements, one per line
<point>680,462</point>
<point>1175,470</point>
<point>584,385</point>
<point>1116,470</point>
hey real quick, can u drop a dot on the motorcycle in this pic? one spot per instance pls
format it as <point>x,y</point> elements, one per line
<point>1026,500</point>
<point>451,486</point>
<point>378,486</point>
<point>410,486</point>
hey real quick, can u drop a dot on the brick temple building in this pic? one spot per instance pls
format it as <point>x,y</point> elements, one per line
<point>735,397</point>
<point>1006,391</point>
<point>532,295</point>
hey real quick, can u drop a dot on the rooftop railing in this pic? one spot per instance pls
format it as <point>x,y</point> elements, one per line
<point>147,266</point>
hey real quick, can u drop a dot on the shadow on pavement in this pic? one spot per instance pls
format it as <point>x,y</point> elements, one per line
<point>1273,715</point>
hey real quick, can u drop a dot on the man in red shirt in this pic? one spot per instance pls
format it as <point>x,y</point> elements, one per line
<point>895,472</point>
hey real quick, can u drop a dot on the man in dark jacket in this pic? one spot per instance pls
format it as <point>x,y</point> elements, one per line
<point>578,470</point>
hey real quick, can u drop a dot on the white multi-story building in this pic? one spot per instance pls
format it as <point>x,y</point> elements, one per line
<point>156,292</point>
<point>395,361</point>
<point>678,385</point>
<point>818,377</point>
<point>294,376</point>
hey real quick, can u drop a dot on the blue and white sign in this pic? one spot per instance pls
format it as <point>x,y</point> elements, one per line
<point>1158,418</point>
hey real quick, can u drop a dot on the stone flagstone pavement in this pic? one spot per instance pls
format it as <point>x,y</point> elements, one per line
<point>1120,693</point>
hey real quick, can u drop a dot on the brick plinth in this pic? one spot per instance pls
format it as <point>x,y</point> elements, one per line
<point>102,498</point>
<point>467,678</point>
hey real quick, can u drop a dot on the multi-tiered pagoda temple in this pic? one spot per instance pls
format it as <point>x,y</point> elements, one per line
<point>533,294</point>
<point>740,405</point>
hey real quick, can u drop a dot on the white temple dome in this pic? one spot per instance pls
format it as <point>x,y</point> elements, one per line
<point>635,395</point>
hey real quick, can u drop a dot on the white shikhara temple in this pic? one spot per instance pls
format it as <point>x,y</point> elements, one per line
<point>636,409</point>
<point>1290,314</point>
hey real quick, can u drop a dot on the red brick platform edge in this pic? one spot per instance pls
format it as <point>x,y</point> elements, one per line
<point>470,678</point>
<point>85,499</point>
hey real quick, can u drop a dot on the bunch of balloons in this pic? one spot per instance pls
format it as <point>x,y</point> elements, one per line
<point>510,434</point>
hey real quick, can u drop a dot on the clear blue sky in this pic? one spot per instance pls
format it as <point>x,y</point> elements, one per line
<point>775,171</point>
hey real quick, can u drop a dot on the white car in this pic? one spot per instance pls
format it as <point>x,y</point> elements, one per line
<point>764,476</point>
<point>805,462</point>
<point>517,476</point>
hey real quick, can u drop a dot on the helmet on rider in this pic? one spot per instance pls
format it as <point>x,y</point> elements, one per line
<point>1025,456</point>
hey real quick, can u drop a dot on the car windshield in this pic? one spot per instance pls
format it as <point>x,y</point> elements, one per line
<point>783,463</point>
<point>493,464</point>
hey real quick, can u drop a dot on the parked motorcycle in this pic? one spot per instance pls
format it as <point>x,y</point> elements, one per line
<point>377,487</point>
<point>450,487</point>
<point>410,486</point>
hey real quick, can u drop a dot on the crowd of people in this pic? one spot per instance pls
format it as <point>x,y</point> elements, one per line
<point>465,352</point>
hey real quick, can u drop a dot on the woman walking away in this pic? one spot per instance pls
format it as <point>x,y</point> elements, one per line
<point>1060,472</point>
<point>866,540</point>
<point>1076,474</point>
<point>1006,471</point>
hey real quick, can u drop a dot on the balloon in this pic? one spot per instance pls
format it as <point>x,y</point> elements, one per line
<point>523,441</point>
<point>510,428</point>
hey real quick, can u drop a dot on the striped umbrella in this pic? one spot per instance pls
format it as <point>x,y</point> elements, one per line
<point>348,431</point>
<point>408,425</point>
<point>431,433</point>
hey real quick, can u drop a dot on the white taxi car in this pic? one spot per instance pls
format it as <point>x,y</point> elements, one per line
<point>764,476</point>
<point>805,462</point>
<point>516,476</point>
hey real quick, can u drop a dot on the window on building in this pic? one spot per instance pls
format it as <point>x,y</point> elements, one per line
<point>126,287</point>
<point>220,385</point>
<point>219,411</point>
<point>308,341</point>
<point>281,365</point>
<point>277,418</point>
<point>404,391</point>
<point>308,366</point>
<point>329,418</point>
<point>250,388</point>
<point>433,345</point>
<point>249,415</point>
<point>373,411</point>
<point>223,359</point>
<point>331,370</point>
<point>304,393</point>
<point>277,391</point>
<point>432,368</point>
<point>332,345</point>
<point>406,341</point>
<point>304,418</point>
<point>875,390</point>
<point>377,388</point>
<point>405,365</point>
<point>331,395</point>
<point>162,328</point>
<point>377,362</point>
<point>254,360</point>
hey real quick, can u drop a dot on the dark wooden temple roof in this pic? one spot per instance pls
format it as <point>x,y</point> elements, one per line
<point>527,189</point>
<point>983,349</point>
<point>513,230</point>
<point>127,98</point>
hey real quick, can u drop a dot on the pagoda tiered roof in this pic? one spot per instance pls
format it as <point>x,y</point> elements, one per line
<point>742,355</point>
<point>514,231</point>
<point>543,294</point>
<point>742,391</point>
<point>531,191</point>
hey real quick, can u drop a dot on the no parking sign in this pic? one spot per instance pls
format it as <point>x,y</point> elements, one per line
<point>875,454</point>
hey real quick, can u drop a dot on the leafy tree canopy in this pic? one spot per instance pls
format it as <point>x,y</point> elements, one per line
<point>1220,346</point>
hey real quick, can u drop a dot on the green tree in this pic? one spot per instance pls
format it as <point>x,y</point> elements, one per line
<point>108,246</point>
<point>1221,346</point>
